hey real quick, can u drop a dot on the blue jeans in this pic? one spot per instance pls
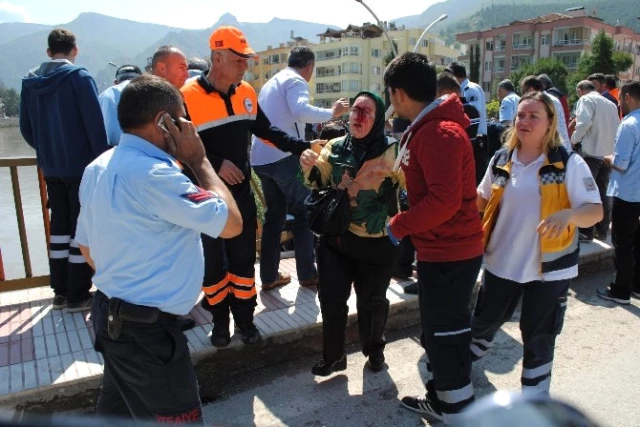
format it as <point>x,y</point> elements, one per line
<point>284,193</point>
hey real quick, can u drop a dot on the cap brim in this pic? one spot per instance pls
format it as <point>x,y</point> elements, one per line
<point>246,53</point>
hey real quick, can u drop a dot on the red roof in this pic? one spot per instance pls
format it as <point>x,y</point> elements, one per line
<point>543,19</point>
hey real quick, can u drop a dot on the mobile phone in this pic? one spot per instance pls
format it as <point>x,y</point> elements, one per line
<point>162,126</point>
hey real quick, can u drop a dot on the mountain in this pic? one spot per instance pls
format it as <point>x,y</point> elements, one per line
<point>14,30</point>
<point>103,39</point>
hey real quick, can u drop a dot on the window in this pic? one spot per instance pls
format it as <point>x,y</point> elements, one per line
<point>376,53</point>
<point>486,86</point>
<point>488,45</point>
<point>544,39</point>
<point>425,43</point>
<point>351,85</point>
<point>375,87</point>
<point>499,67</point>
<point>487,65</point>
<point>354,51</point>
<point>412,41</point>
<point>376,71</point>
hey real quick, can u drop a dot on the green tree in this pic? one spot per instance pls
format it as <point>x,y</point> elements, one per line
<point>622,61</point>
<point>554,68</point>
<point>11,100</point>
<point>472,63</point>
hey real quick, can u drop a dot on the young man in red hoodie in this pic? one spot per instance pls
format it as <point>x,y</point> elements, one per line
<point>437,159</point>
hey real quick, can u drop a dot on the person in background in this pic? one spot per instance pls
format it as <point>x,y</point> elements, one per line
<point>444,225</point>
<point>196,66</point>
<point>508,103</point>
<point>534,195</point>
<point>284,98</point>
<point>625,191</point>
<point>139,228</point>
<point>167,62</point>
<point>363,256</point>
<point>60,118</point>
<point>594,136</point>
<point>109,101</point>
<point>533,84</point>
<point>600,82</point>
<point>557,92</point>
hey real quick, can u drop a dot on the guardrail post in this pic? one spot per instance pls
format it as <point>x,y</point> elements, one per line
<point>22,229</point>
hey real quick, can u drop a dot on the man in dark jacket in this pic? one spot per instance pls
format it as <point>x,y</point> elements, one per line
<point>549,87</point>
<point>443,221</point>
<point>60,117</point>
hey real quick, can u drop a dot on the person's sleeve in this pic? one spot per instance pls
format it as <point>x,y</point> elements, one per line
<point>484,189</point>
<point>171,196</point>
<point>263,129</point>
<point>442,170</point>
<point>87,96</point>
<point>507,111</point>
<point>299,103</point>
<point>81,236</point>
<point>626,140</point>
<point>482,108</point>
<point>110,116</point>
<point>584,115</point>
<point>581,186</point>
<point>562,126</point>
<point>25,122</point>
<point>319,176</point>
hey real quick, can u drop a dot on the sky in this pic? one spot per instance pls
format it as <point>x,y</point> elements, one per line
<point>195,14</point>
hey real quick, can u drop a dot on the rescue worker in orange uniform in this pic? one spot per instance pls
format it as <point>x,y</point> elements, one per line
<point>225,111</point>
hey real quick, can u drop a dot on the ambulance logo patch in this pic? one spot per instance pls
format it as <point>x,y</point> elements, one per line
<point>248,105</point>
<point>589,184</point>
<point>472,98</point>
<point>200,196</point>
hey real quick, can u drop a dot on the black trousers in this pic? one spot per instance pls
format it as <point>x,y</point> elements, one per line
<point>231,263</point>
<point>543,308</point>
<point>70,274</point>
<point>148,374</point>
<point>444,292</point>
<point>367,263</point>
<point>601,173</point>
<point>480,156</point>
<point>625,235</point>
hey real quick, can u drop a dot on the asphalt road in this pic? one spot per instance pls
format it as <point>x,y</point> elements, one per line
<point>597,369</point>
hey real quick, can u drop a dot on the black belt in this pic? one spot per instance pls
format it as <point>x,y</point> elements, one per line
<point>121,311</point>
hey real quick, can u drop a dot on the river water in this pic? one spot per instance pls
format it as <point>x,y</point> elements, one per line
<point>13,145</point>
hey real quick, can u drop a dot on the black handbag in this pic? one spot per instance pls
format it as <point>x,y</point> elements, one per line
<point>329,211</point>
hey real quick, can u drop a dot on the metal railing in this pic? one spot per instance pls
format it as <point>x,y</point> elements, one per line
<point>29,281</point>
<point>570,42</point>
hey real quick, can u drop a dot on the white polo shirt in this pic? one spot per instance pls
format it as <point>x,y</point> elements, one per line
<point>513,252</point>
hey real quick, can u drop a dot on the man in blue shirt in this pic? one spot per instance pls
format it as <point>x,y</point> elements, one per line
<point>139,227</point>
<point>109,101</point>
<point>625,210</point>
<point>284,99</point>
<point>60,118</point>
<point>508,102</point>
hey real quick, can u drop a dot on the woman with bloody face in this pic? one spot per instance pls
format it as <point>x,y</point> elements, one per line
<point>361,162</point>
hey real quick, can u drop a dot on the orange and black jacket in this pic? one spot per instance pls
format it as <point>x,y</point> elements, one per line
<point>225,122</point>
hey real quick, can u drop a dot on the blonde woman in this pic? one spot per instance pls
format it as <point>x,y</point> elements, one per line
<point>534,195</point>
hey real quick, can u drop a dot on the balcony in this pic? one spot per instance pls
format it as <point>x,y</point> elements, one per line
<point>570,42</point>
<point>522,46</point>
<point>500,46</point>
<point>328,56</point>
<point>327,74</point>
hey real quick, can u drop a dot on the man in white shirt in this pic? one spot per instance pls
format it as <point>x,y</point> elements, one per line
<point>533,84</point>
<point>597,122</point>
<point>472,92</point>
<point>508,102</point>
<point>285,101</point>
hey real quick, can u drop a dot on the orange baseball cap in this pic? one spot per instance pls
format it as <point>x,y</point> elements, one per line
<point>231,38</point>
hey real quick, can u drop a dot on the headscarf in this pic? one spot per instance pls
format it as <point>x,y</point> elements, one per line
<point>375,142</point>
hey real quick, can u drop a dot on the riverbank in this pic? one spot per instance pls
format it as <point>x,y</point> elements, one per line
<point>9,123</point>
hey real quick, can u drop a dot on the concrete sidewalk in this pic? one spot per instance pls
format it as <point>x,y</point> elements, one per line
<point>47,361</point>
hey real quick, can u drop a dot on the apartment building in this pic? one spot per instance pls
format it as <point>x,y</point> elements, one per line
<point>349,60</point>
<point>353,59</point>
<point>565,37</point>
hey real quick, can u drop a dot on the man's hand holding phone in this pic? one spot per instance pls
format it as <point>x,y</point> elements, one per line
<point>182,140</point>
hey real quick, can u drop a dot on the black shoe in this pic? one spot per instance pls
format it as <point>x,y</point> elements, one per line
<point>77,307</point>
<point>324,369</point>
<point>251,335</point>
<point>605,293</point>
<point>376,362</point>
<point>220,336</point>
<point>186,323</point>
<point>411,289</point>
<point>423,405</point>
<point>635,294</point>
<point>59,302</point>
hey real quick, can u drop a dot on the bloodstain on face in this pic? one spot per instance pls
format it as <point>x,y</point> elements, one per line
<point>362,116</point>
